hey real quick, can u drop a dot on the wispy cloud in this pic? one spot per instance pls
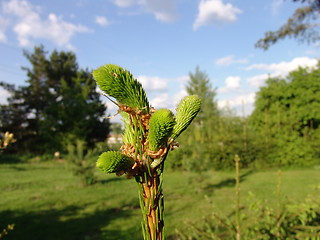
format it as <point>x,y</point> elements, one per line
<point>232,83</point>
<point>3,25</point>
<point>280,69</point>
<point>153,83</point>
<point>240,100</point>
<point>160,101</point>
<point>125,3</point>
<point>102,21</point>
<point>259,80</point>
<point>275,6</point>
<point>229,60</point>
<point>213,12</point>
<point>29,25</point>
<point>165,100</point>
<point>164,10</point>
<point>4,94</point>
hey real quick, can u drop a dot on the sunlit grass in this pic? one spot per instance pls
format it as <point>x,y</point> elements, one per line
<point>46,201</point>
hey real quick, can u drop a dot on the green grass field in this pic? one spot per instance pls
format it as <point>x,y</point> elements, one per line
<point>45,201</point>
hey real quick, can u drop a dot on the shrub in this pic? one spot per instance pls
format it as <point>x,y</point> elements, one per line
<point>82,162</point>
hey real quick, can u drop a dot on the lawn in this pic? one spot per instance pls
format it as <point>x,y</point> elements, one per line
<point>45,201</point>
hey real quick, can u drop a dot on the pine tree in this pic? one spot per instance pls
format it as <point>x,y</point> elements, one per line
<point>193,156</point>
<point>199,84</point>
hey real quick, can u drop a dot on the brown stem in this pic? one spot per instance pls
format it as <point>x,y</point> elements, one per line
<point>153,205</point>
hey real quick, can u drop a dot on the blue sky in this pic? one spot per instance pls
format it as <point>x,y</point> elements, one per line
<point>159,41</point>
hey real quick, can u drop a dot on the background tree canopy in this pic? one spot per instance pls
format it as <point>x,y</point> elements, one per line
<point>58,105</point>
<point>287,115</point>
<point>283,129</point>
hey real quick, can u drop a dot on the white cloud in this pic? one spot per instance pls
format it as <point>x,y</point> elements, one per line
<point>215,12</point>
<point>165,100</point>
<point>245,99</point>
<point>285,67</point>
<point>163,92</point>
<point>3,25</point>
<point>102,21</point>
<point>275,6</point>
<point>164,10</point>
<point>153,83</point>
<point>278,69</point>
<point>232,84</point>
<point>183,79</point>
<point>28,25</point>
<point>258,81</point>
<point>4,94</point>
<point>229,60</point>
<point>160,101</point>
<point>178,96</point>
<point>125,3</point>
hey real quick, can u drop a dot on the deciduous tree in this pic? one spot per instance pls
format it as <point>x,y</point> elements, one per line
<point>287,115</point>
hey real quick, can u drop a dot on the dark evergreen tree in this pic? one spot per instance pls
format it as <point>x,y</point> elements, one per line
<point>58,105</point>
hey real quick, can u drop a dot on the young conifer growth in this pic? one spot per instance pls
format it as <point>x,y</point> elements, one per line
<point>120,84</point>
<point>147,139</point>
<point>114,162</point>
<point>187,110</point>
<point>160,128</point>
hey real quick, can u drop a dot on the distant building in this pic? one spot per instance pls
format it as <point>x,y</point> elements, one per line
<point>114,139</point>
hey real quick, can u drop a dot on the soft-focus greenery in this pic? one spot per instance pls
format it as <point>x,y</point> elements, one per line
<point>60,105</point>
<point>82,162</point>
<point>287,118</point>
<point>283,130</point>
<point>45,200</point>
<point>57,105</point>
<point>258,219</point>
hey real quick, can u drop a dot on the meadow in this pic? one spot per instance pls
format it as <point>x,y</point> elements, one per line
<point>45,200</point>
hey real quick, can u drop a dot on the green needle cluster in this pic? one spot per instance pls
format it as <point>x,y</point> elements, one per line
<point>120,84</point>
<point>160,128</point>
<point>187,110</point>
<point>113,162</point>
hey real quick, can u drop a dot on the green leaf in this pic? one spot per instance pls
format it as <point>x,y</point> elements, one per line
<point>120,84</point>
<point>187,110</point>
<point>113,161</point>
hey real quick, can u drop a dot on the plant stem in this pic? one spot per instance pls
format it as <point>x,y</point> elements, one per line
<point>278,204</point>
<point>238,229</point>
<point>152,205</point>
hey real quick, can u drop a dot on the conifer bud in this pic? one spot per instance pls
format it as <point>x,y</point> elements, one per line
<point>160,128</point>
<point>119,83</point>
<point>113,162</point>
<point>187,110</point>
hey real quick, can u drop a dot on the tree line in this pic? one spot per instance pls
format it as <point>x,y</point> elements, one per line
<point>59,105</point>
<point>283,129</point>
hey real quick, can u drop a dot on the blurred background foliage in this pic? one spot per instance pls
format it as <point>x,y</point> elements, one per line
<point>282,131</point>
<point>59,106</point>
